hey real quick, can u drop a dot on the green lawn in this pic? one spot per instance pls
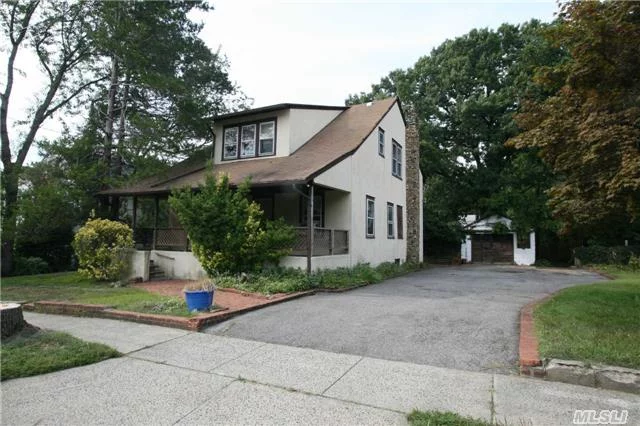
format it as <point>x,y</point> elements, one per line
<point>595,323</point>
<point>72,287</point>
<point>439,418</point>
<point>33,352</point>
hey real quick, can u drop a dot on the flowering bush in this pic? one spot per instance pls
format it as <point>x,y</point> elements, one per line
<point>100,246</point>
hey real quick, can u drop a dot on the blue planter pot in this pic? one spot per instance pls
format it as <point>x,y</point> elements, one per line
<point>199,300</point>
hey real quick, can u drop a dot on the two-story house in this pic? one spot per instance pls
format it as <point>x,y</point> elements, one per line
<point>347,178</point>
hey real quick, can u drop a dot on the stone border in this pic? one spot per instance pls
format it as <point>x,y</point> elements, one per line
<point>192,324</point>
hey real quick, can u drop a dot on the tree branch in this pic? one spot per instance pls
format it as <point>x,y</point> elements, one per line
<point>6,94</point>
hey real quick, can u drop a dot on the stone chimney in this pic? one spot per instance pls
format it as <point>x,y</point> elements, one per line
<point>414,188</point>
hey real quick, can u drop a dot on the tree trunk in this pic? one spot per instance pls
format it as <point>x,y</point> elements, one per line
<point>10,187</point>
<point>121,126</point>
<point>108,125</point>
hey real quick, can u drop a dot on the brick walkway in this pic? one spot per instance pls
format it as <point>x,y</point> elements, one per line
<point>225,298</point>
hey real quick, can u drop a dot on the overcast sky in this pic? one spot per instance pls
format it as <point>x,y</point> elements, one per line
<point>312,51</point>
<point>319,52</point>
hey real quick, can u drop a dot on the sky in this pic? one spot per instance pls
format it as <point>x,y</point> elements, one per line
<point>312,52</point>
<point>320,52</point>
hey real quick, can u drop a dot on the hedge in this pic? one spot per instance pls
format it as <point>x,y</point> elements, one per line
<point>616,255</point>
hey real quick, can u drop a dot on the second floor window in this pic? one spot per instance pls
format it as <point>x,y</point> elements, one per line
<point>396,160</point>
<point>381,142</point>
<point>249,140</point>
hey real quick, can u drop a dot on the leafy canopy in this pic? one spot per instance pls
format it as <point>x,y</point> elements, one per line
<point>465,93</point>
<point>588,131</point>
<point>228,232</point>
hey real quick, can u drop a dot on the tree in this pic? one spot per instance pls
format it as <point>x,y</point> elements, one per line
<point>228,232</point>
<point>588,130</point>
<point>59,35</point>
<point>138,70</point>
<point>465,93</point>
<point>163,82</point>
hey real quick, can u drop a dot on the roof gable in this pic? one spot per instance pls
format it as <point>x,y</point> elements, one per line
<point>336,141</point>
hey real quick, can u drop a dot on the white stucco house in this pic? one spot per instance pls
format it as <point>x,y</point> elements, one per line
<point>483,245</point>
<point>353,168</point>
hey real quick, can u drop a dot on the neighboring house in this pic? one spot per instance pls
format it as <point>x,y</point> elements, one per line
<point>483,245</point>
<point>352,167</point>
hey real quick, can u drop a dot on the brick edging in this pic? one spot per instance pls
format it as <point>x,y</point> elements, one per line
<point>195,323</point>
<point>528,347</point>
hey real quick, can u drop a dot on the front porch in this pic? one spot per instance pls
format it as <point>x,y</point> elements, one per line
<point>158,232</point>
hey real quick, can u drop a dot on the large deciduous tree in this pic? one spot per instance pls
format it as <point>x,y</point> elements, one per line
<point>163,82</point>
<point>588,131</point>
<point>59,35</point>
<point>138,72</point>
<point>465,93</point>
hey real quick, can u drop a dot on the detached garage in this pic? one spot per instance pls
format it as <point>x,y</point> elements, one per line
<point>484,245</point>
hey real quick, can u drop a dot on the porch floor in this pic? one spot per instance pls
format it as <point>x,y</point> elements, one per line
<point>224,298</point>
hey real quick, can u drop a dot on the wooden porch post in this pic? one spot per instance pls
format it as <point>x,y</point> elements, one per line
<point>135,212</point>
<point>155,220</point>
<point>310,229</point>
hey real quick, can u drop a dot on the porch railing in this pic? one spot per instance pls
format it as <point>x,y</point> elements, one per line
<point>174,239</point>
<point>326,242</point>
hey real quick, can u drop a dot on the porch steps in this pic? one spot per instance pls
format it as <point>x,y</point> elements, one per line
<point>155,272</point>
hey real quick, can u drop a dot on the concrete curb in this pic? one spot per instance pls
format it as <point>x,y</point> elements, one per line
<point>192,324</point>
<point>573,372</point>
<point>595,375</point>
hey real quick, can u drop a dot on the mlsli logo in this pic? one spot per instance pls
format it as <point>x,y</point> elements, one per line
<point>602,417</point>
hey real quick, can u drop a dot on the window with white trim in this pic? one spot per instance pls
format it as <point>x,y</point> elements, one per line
<point>371,217</point>
<point>267,138</point>
<point>230,149</point>
<point>381,142</point>
<point>396,159</point>
<point>390,221</point>
<point>249,140</point>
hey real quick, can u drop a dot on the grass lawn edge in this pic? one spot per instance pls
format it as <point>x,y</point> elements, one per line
<point>34,351</point>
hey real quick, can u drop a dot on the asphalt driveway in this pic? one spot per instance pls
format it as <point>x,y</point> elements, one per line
<point>462,317</point>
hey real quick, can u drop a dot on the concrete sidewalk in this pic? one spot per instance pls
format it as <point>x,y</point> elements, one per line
<point>171,376</point>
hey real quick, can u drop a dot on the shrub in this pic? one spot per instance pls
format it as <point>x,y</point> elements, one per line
<point>616,255</point>
<point>100,247</point>
<point>30,266</point>
<point>634,263</point>
<point>228,232</point>
<point>279,280</point>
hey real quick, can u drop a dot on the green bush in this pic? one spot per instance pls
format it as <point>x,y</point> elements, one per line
<point>634,263</point>
<point>30,266</point>
<point>595,254</point>
<point>100,246</point>
<point>228,232</point>
<point>287,280</point>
